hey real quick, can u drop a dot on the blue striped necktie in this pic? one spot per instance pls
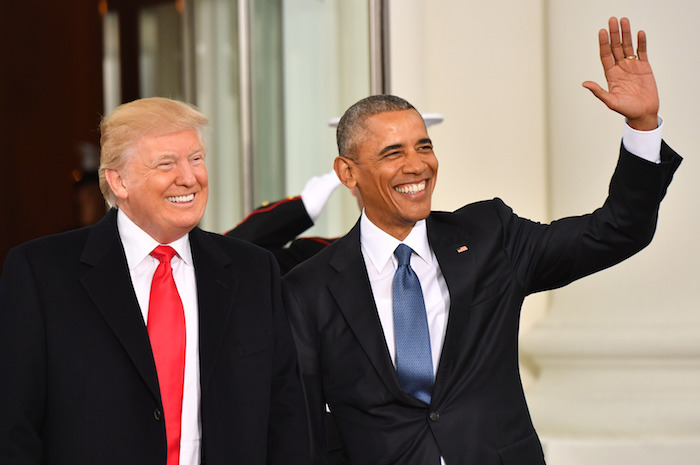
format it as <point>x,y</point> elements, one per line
<point>414,363</point>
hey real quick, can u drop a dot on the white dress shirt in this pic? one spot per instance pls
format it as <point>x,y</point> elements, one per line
<point>378,251</point>
<point>137,247</point>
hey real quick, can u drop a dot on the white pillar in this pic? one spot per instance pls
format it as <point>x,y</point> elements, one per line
<point>617,355</point>
<point>611,362</point>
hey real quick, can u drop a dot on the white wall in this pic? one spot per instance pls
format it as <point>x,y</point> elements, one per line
<point>616,355</point>
<point>507,76</point>
<point>482,65</point>
<point>483,68</point>
<point>658,285</point>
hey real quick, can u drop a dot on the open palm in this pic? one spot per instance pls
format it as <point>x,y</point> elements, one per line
<point>631,85</point>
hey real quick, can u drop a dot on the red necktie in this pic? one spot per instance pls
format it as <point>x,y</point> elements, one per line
<point>166,330</point>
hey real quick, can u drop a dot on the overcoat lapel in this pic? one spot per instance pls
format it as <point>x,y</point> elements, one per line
<point>216,292</point>
<point>109,286</point>
<point>450,243</point>
<point>352,292</point>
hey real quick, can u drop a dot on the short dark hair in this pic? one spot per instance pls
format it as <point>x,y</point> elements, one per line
<point>353,121</point>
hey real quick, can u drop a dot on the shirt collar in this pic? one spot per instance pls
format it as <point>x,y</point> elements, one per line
<point>379,246</point>
<point>138,244</point>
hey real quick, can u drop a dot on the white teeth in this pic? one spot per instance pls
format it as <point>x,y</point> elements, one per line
<point>181,198</point>
<point>411,188</point>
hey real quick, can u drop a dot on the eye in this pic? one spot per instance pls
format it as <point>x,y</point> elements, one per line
<point>197,159</point>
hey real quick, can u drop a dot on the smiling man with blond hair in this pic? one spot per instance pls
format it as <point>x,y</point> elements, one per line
<point>143,339</point>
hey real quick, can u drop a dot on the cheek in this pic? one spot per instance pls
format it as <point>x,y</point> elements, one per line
<point>203,196</point>
<point>135,187</point>
<point>202,177</point>
<point>432,162</point>
<point>159,184</point>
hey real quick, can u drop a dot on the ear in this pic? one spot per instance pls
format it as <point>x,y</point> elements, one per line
<point>344,169</point>
<point>116,183</point>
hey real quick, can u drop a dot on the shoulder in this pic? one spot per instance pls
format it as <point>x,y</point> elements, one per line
<point>474,213</point>
<point>69,243</point>
<point>318,267</point>
<point>315,262</point>
<point>213,253</point>
<point>488,221</point>
<point>57,257</point>
<point>230,246</point>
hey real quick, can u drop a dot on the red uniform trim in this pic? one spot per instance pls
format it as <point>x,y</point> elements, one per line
<point>268,208</point>
<point>320,240</point>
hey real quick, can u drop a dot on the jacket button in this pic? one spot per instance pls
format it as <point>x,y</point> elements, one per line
<point>157,414</point>
<point>435,416</point>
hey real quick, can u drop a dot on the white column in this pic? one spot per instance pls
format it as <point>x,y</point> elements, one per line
<point>618,354</point>
<point>612,362</point>
<point>482,65</point>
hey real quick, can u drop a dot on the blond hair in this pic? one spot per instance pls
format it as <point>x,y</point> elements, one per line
<point>129,122</point>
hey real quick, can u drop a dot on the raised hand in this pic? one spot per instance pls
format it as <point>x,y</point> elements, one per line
<point>631,85</point>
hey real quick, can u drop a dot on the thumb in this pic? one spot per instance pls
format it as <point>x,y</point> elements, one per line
<point>602,94</point>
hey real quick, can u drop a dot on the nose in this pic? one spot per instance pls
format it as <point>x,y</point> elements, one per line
<point>185,175</point>
<point>413,162</point>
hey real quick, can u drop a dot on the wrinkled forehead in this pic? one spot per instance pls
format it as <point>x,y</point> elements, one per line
<point>394,119</point>
<point>395,127</point>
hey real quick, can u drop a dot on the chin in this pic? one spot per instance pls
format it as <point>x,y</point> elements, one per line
<point>419,214</point>
<point>188,223</point>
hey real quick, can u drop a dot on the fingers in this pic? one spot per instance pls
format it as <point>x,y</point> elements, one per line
<point>627,45</point>
<point>618,46</point>
<point>621,45</point>
<point>615,43</point>
<point>606,56</point>
<point>642,46</point>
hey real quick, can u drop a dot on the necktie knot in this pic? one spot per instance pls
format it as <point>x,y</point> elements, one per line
<point>163,253</point>
<point>403,254</point>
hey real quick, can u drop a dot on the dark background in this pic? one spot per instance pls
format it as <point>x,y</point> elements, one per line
<point>51,102</point>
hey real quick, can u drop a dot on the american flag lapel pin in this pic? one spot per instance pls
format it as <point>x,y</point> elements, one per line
<point>462,248</point>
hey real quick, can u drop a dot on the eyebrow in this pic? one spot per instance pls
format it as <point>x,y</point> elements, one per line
<point>172,155</point>
<point>389,148</point>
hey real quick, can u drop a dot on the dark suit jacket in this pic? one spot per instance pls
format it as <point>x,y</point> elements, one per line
<point>478,413</point>
<point>276,226</point>
<point>79,384</point>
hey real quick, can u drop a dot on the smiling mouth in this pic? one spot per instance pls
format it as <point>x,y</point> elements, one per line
<point>181,198</point>
<point>411,188</point>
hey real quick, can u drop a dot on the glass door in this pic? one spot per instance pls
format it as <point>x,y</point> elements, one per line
<point>270,74</point>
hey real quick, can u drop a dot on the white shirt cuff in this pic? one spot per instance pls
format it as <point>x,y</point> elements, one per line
<point>644,144</point>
